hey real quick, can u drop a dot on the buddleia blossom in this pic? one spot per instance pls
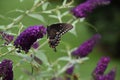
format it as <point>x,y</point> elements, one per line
<point>26,39</point>
<point>6,72</point>
<point>101,66</point>
<point>85,48</point>
<point>98,73</point>
<point>111,75</point>
<point>100,2</point>
<point>84,8</point>
<point>7,37</point>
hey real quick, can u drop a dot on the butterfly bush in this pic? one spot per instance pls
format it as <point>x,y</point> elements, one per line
<point>111,75</point>
<point>6,72</point>
<point>39,56</point>
<point>101,66</point>
<point>84,49</point>
<point>98,73</point>
<point>26,38</point>
<point>88,6</point>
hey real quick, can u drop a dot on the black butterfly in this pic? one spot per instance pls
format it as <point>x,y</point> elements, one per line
<point>55,31</point>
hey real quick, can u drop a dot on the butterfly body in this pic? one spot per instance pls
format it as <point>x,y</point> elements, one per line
<point>55,31</point>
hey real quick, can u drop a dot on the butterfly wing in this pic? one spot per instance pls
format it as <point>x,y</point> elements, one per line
<point>55,31</point>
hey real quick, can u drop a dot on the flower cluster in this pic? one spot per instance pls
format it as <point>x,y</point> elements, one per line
<point>85,48</point>
<point>26,39</point>
<point>7,37</point>
<point>98,73</point>
<point>6,72</point>
<point>101,66</point>
<point>87,7</point>
<point>100,2</point>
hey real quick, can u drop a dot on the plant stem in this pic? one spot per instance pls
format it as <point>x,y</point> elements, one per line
<point>20,17</point>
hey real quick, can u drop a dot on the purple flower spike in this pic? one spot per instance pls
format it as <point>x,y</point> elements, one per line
<point>84,8</point>
<point>26,39</point>
<point>100,2</point>
<point>81,10</point>
<point>6,72</point>
<point>101,67</point>
<point>111,75</point>
<point>84,49</point>
<point>70,70</point>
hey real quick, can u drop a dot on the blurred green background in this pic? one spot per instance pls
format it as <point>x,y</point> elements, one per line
<point>106,19</point>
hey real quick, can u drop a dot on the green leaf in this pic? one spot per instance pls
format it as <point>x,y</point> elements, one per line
<point>42,57</point>
<point>53,16</point>
<point>82,19</point>
<point>25,56</point>
<point>45,5</point>
<point>21,0</point>
<point>36,1</point>
<point>58,13</point>
<point>16,10</point>
<point>1,16</point>
<point>10,48</point>
<point>9,25</point>
<point>46,11</point>
<point>73,31</point>
<point>20,28</point>
<point>18,18</point>
<point>2,27</point>
<point>65,13</point>
<point>37,16</point>
<point>65,58</point>
<point>64,2</point>
<point>45,74</point>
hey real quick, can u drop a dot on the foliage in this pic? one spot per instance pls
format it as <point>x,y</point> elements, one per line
<point>43,63</point>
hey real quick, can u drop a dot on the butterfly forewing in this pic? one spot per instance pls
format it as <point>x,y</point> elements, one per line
<point>55,31</point>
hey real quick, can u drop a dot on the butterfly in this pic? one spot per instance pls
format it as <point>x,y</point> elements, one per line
<point>55,31</point>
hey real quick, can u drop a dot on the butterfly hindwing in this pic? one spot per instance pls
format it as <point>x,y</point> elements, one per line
<point>55,31</point>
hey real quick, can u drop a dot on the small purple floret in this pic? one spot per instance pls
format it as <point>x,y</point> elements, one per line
<point>35,45</point>
<point>70,70</point>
